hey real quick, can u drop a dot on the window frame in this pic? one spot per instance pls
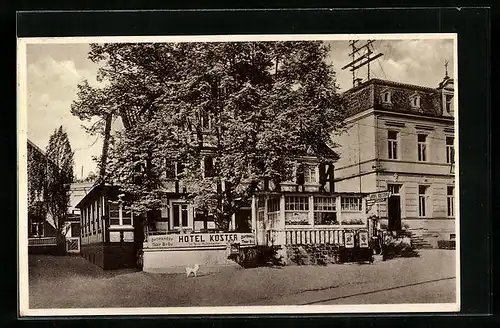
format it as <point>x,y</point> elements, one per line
<point>450,150</point>
<point>297,204</point>
<point>310,173</point>
<point>393,145</point>
<point>357,207</point>
<point>422,148</point>
<point>423,208</point>
<point>450,201</point>
<point>320,207</point>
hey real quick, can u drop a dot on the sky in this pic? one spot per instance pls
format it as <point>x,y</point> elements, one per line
<point>54,70</point>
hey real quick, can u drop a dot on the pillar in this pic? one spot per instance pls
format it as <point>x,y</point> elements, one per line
<point>254,215</point>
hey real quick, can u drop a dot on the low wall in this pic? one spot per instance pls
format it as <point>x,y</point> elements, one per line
<point>175,260</point>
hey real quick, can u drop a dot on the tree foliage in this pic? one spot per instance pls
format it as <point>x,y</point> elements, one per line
<point>59,176</point>
<point>253,107</point>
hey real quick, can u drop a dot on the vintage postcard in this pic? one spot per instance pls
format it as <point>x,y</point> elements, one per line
<point>249,174</point>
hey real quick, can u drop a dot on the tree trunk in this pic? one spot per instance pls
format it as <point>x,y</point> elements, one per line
<point>105,147</point>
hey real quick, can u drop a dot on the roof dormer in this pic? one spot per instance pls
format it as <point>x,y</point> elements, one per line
<point>385,96</point>
<point>415,100</point>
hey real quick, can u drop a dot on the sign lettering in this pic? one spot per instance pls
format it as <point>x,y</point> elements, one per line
<point>378,196</point>
<point>200,239</point>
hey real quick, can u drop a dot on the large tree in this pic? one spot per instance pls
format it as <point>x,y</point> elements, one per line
<point>59,176</point>
<point>252,108</point>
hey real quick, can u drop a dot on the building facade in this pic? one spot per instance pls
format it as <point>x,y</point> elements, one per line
<point>42,234</point>
<point>401,138</point>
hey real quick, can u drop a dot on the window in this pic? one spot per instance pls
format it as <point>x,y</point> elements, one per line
<point>296,210</point>
<point>273,205</point>
<point>415,101</point>
<point>208,164</point>
<point>386,97</point>
<point>310,174</point>
<point>394,188</point>
<point>37,229</point>
<point>127,216</point>
<point>325,211</point>
<point>449,104</point>
<point>170,170</point>
<point>422,200</point>
<point>450,197</point>
<point>179,169</point>
<point>180,215</point>
<point>422,149</point>
<point>392,137</point>
<point>352,204</point>
<point>98,215</point>
<point>114,214</point>
<point>206,122</point>
<point>450,150</point>
<point>296,203</point>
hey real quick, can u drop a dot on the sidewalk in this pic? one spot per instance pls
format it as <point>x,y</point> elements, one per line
<point>80,284</point>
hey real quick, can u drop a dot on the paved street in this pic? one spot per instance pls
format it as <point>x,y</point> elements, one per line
<point>69,282</point>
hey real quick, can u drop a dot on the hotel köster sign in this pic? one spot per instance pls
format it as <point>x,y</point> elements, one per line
<point>202,239</point>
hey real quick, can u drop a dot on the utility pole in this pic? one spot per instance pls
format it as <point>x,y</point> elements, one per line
<point>360,58</point>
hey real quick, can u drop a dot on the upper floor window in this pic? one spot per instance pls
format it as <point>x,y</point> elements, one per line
<point>422,147</point>
<point>450,150</point>
<point>449,104</point>
<point>206,122</point>
<point>170,172</point>
<point>351,204</point>
<point>208,163</point>
<point>386,97</point>
<point>392,142</point>
<point>310,175</point>
<point>415,101</point>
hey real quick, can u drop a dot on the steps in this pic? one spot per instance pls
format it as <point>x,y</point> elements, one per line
<point>419,242</point>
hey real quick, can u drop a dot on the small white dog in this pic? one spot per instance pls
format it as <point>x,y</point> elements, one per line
<point>193,270</point>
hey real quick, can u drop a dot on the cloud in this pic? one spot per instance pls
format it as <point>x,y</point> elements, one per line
<point>52,87</point>
<point>419,61</point>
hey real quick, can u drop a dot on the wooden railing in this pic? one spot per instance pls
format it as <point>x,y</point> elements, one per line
<point>333,236</point>
<point>42,241</point>
<point>73,244</point>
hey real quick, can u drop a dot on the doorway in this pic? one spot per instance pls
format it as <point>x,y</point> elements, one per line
<point>394,213</point>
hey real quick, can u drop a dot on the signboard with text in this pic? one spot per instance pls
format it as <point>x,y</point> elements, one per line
<point>378,196</point>
<point>201,240</point>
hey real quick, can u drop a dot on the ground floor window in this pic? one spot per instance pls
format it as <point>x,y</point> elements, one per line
<point>325,212</point>
<point>422,200</point>
<point>352,204</point>
<point>37,229</point>
<point>296,210</point>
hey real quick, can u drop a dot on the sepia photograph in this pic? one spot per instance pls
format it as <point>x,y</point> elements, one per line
<point>238,174</point>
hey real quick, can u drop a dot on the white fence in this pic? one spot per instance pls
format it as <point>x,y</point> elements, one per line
<point>73,244</point>
<point>310,236</point>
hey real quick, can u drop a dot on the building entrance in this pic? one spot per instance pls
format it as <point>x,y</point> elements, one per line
<point>394,212</point>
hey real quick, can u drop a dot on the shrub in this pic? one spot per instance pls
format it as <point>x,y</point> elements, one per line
<point>446,244</point>
<point>257,256</point>
<point>398,247</point>
<point>353,222</point>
